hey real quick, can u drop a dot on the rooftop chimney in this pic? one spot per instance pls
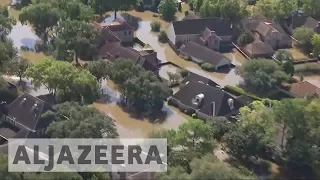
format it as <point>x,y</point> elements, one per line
<point>196,101</point>
<point>24,101</point>
<point>213,109</point>
<point>36,107</point>
<point>231,103</point>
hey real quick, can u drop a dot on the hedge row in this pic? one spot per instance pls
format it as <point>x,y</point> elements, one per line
<point>239,91</point>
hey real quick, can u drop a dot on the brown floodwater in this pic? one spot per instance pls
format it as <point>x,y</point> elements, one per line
<point>129,126</point>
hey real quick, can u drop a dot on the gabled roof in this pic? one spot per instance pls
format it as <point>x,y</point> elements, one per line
<point>195,26</point>
<point>211,94</point>
<point>301,20</point>
<point>203,53</point>
<point>304,88</point>
<point>195,77</point>
<point>259,48</point>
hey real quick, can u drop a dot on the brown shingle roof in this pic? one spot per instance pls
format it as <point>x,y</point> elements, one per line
<point>118,25</point>
<point>301,89</point>
<point>259,48</point>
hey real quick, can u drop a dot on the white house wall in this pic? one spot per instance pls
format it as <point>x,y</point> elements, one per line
<point>171,34</point>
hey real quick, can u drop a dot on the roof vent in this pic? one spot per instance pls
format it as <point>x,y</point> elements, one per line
<point>36,107</point>
<point>24,100</point>
<point>196,101</point>
<point>187,82</point>
<point>231,103</point>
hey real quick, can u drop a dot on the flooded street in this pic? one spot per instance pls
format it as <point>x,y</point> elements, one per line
<point>131,127</point>
<point>23,35</point>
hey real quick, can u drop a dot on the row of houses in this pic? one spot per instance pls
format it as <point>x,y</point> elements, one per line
<point>216,34</point>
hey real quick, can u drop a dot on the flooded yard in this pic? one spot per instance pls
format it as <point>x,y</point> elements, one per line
<point>163,72</point>
<point>131,127</point>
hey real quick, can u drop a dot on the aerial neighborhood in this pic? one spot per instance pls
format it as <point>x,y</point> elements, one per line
<point>233,85</point>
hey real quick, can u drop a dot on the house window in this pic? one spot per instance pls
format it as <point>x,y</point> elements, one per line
<point>129,32</point>
<point>125,32</point>
<point>206,43</point>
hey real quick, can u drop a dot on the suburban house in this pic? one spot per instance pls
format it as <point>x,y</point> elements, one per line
<point>214,33</point>
<point>123,30</point>
<point>23,118</point>
<point>302,89</point>
<point>205,101</point>
<point>146,58</point>
<point>300,20</point>
<point>258,49</point>
<point>201,54</point>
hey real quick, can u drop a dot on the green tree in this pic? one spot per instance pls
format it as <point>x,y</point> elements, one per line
<point>220,126</point>
<point>303,35</point>
<point>43,17</point>
<point>98,68</point>
<point>74,10</point>
<point>197,4</point>
<point>316,45</point>
<point>245,38</point>
<point>264,8</point>
<point>283,8</point>
<point>229,9</point>
<point>300,139</point>
<point>311,7</point>
<point>77,37</point>
<point>168,9</point>
<point>7,53</point>
<point>288,67</point>
<point>18,67</point>
<point>177,173</point>
<point>283,55</point>
<point>6,22</point>
<point>208,167</point>
<point>262,75</point>
<point>141,89</point>
<point>193,139</point>
<point>65,80</point>
<point>72,120</point>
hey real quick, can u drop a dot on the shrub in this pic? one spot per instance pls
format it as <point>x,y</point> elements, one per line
<point>184,72</point>
<point>207,67</point>
<point>245,38</point>
<point>200,63</point>
<point>194,116</point>
<point>155,26</point>
<point>39,46</point>
<point>239,91</point>
<point>163,37</point>
<point>155,15</point>
<point>139,6</point>
<point>187,58</point>
<point>186,13</point>
<point>312,68</point>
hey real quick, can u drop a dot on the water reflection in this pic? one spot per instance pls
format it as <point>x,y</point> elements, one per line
<point>133,127</point>
<point>132,20</point>
<point>23,35</point>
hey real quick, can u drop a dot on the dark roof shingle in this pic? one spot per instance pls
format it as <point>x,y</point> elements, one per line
<point>211,94</point>
<point>195,26</point>
<point>205,54</point>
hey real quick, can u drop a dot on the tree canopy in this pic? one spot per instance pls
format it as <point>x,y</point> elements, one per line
<point>141,89</point>
<point>229,9</point>
<point>18,67</point>
<point>168,9</point>
<point>261,75</point>
<point>72,120</point>
<point>303,35</point>
<point>76,37</point>
<point>64,79</point>
<point>316,45</point>
<point>43,17</point>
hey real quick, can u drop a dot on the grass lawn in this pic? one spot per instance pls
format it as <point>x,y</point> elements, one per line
<point>33,57</point>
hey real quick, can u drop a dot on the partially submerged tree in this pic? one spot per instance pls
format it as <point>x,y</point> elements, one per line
<point>72,120</point>
<point>316,45</point>
<point>168,9</point>
<point>18,67</point>
<point>76,37</point>
<point>262,75</point>
<point>43,17</point>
